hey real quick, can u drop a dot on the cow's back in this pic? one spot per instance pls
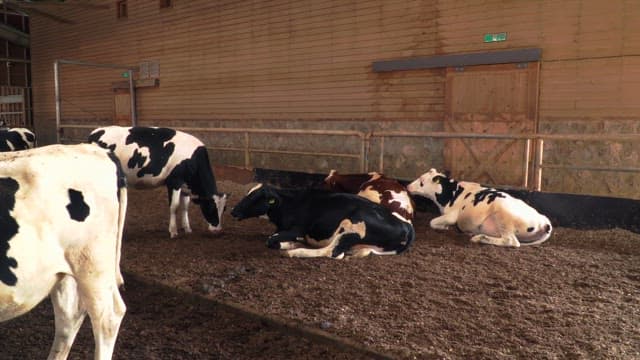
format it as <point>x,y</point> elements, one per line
<point>325,211</point>
<point>16,139</point>
<point>56,201</point>
<point>148,154</point>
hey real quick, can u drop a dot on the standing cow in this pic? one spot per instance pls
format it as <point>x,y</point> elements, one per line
<point>490,216</point>
<point>62,211</point>
<point>16,139</point>
<point>334,224</point>
<point>376,187</point>
<point>153,156</point>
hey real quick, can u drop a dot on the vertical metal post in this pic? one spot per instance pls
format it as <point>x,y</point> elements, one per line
<point>363,149</point>
<point>381,165</point>
<point>247,161</point>
<point>132,94</point>
<point>527,163</point>
<point>539,155</point>
<point>367,150</point>
<point>56,85</point>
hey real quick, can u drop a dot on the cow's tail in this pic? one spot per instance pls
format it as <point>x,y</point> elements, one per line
<point>409,237</point>
<point>121,184</point>
<point>122,212</point>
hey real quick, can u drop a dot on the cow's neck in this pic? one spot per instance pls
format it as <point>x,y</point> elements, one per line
<point>451,189</point>
<point>288,209</point>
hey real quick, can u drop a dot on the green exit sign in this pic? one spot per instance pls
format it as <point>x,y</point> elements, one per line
<point>125,74</point>
<point>495,37</point>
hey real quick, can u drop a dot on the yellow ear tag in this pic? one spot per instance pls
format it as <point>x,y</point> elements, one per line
<point>272,201</point>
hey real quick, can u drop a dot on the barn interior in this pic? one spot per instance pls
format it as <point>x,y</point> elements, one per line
<point>537,98</point>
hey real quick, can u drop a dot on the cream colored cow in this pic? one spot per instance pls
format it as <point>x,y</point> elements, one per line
<point>490,216</point>
<point>62,210</point>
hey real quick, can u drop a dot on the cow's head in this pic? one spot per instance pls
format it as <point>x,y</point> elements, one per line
<point>256,203</point>
<point>212,209</point>
<point>428,184</point>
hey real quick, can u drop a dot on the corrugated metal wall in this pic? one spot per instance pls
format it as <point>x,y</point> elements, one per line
<point>307,64</point>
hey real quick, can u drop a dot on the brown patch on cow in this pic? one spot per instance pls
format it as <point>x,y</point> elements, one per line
<point>349,183</point>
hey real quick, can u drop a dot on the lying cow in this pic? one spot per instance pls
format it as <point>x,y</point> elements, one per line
<point>16,139</point>
<point>490,216</point>
<point>62,213</point>
<point>152,157</point>
<point>334,224</point>
<point>376,187</point>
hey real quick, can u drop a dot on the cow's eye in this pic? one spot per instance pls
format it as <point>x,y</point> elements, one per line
<point>436,180</point>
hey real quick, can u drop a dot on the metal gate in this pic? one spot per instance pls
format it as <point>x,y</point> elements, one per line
<point>15,107</point>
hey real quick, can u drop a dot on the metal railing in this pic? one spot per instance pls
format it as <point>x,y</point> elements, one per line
<point>538,164</point>
<point>365,139</point>
<point>247,148</point>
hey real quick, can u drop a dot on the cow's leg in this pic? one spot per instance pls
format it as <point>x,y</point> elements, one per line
<point>286,237</point>
<point>184,212</point>
<point>509,240</point>
<point>174,203</point>
<point>102,300</point>
<point>496,224</point>
<point>444,221</point>
<point>345,227</point>
<point>69,315</point>
<point>366,250</point>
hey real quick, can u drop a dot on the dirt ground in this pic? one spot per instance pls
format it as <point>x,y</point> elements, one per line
<point>577,296</point>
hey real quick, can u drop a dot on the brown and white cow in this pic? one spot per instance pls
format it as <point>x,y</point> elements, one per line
<point>490,216</point>
<point>376,187</point>
<point>62,211</point>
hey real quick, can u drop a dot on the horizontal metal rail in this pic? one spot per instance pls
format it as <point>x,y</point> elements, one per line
<point>537,163</point>
<point>247,149</point>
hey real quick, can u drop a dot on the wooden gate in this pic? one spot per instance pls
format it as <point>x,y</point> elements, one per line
<point>494,99</point>
<point>122,107</point>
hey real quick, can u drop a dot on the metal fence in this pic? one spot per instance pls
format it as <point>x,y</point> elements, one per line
<point>365,140</point>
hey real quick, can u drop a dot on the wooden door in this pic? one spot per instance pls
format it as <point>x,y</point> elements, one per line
<point>122,108</point>
<point>492,99</point>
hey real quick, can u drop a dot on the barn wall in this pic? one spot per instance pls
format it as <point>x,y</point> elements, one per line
<point>307,64</point>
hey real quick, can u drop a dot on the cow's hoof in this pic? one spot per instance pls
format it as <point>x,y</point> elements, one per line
<point>173,235</point>
<point>216,232</point>
<point>286,253</point>
<point>271,244</point>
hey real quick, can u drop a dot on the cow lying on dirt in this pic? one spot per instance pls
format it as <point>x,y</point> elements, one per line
<point>334,224</point>
<point>375,187</point>
<point>490,216</point>
<point>152,157</point>
<point>62,213</point>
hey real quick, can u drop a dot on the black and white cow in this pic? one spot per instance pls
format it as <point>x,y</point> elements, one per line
<point>62,210</point>
<point>153,156</point>
<point>333,224</point>
<point>16,139</point>
<point>490,216</point>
